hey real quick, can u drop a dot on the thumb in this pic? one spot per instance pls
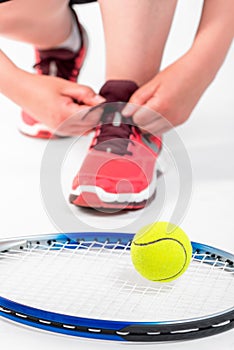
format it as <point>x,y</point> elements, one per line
<point>73,110</point>
<point>82,93</point>
<point>139,98</point>
<point>144,93</point>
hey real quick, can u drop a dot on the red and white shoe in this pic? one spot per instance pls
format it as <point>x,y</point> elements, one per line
<point>61,63</point>
<point>120,169</point>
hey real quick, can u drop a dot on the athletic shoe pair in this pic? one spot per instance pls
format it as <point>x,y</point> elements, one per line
<point>119,171</point>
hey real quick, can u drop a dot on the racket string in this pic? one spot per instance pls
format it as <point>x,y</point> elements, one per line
<point>104,299</point>
<point>189,292</point>
<point>98,280</point>
<point>209,276</point>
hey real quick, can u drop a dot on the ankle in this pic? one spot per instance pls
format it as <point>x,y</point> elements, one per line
<point>74,40</point>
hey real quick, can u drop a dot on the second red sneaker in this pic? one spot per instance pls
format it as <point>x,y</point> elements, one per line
<point>59,62</point>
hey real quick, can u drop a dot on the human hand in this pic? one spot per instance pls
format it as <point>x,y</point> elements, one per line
<point>168,99</point>
<point>60,104</point>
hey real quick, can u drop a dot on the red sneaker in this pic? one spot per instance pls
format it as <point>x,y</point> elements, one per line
<point>61,63</point>
<point>119,171</point>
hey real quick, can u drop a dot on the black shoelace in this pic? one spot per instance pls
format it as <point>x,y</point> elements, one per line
<point>115,132</point>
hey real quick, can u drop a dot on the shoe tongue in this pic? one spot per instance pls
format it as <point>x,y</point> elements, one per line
<point>56,54</point>
<point>118,90</point>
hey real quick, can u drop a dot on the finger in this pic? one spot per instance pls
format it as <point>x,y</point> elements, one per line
<point>139,98</point>
<point>146,115</point>
<point>75,111</point>
<point>159,132</point>
<point>153,105</point>
<point>75,130</point>
<point>93,116</point>
<point>157,127</point>
<point>143,94</point>
<point>82,94</point>
<point>70,113</point>
<point>80,119</point>
<point>70,129</point>
<point>160,119</point>
<point>129,110</point>
<point>93,100</point>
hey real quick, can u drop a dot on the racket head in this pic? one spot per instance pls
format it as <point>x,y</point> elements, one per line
<point>105,258</point>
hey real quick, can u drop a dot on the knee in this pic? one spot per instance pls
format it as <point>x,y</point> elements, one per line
<point>8,21</point>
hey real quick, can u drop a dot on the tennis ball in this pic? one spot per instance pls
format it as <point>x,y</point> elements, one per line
<point>161,252</point>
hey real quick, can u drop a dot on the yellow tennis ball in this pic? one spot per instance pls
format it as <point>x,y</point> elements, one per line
<point>161,252</point>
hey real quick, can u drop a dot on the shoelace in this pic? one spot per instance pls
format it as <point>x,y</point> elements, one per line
<point>64,67</point>
<point>115,132</point>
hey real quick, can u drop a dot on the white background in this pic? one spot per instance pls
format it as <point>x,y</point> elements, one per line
<point>208,138</point>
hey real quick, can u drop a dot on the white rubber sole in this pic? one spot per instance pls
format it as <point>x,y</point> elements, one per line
<point>109,197</point>
<point>33,130</point>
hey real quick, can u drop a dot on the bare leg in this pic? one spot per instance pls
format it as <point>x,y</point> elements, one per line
<point>135,32</point>
<point>43,23</point>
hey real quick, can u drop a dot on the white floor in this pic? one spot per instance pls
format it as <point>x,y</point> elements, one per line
<point>207,137</point>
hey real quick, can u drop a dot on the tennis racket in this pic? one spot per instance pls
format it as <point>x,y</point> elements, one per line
<point>84,284</point>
